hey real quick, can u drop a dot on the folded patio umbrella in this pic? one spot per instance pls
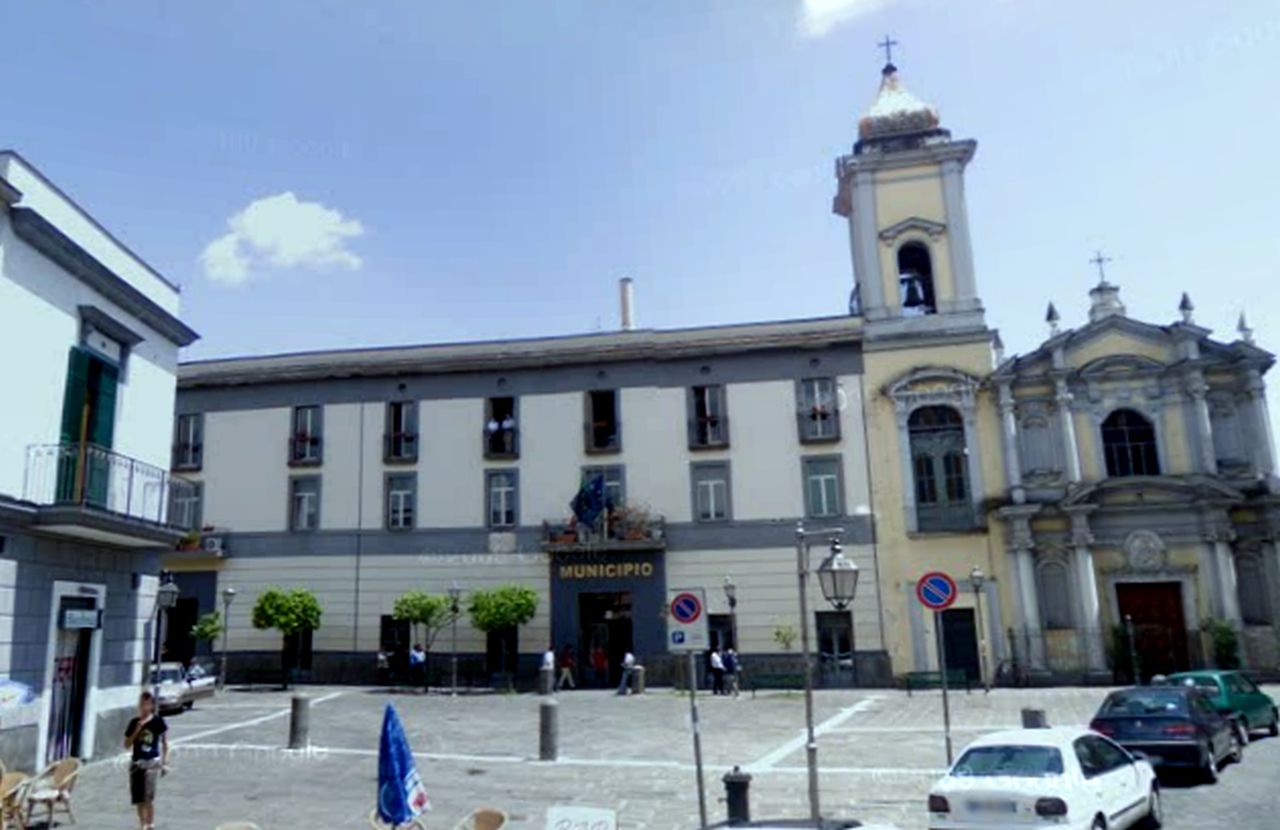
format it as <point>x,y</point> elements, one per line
<point>401,795</point>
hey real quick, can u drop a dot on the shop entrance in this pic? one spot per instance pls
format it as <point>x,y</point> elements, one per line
<point>77,620</point>
<point>606,635</point>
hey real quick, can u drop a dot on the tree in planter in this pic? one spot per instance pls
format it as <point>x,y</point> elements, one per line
<point>432,612</point>
<point>1224,641</point>
<point>292,613</point>
<point>208,628</point>
<point>505,607</point>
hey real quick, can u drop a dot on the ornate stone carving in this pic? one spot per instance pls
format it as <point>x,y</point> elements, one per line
<point>1145,551</point>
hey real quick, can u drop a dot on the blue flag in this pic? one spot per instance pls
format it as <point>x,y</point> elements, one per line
<point>589,503</point>
<point>401,795</point>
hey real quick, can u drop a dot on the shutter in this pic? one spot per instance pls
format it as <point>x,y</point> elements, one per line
<point>76,393</point>
<point>102,417</point>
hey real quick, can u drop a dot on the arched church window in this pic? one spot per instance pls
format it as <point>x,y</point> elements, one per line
<point>915,280</point>
<point>1251,579</point>
<point>1054,586</point>
<point>939,463</point>
<point>1129,444</point>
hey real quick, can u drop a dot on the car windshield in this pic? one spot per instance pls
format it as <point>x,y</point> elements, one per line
<point>1201,681</point>
<point>1146,702</point>
<point>1016,761</point>
<point>166,676</point>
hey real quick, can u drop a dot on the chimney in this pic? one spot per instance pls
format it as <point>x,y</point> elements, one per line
<point>627,295</point>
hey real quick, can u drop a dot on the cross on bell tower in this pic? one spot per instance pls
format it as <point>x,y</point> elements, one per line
<point>1100,261</point>
<point>887,45</point>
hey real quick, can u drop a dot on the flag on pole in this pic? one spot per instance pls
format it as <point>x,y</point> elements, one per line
<point>401,795</point>
<point>589,503</point>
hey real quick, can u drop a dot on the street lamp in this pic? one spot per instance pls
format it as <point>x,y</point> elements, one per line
<point>166,598</point>
<point>455,594</point>
<point>977,579</point>
<point>838,578</point>
<point>228,594</point>
<point>731,595</point>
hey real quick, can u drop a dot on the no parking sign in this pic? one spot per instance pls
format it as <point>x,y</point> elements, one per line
<point>687,620</point>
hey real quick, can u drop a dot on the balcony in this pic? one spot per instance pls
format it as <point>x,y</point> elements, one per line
<point>502,443</point>
<point>624,530</point>
<point>92,493</point>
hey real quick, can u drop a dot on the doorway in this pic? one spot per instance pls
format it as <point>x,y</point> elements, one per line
<point>606,633</point>
<point>70,674</point>
<point>835,649</point>
<point>1159,625</point>
<point>960,636</point>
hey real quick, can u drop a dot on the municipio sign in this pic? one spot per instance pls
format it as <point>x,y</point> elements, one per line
<point>687,620</point>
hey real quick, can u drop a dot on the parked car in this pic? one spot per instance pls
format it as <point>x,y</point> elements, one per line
<point>1068,777</point>
<point>1173,726</point>
<point>1236,696</point>
<point>179,688</point>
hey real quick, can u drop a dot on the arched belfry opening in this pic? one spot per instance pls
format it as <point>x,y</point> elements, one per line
<point>915,280</point>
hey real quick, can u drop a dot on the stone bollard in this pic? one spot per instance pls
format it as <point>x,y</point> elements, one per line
<point>1034,719</point>
<point>737,796</point>
<point>548,729</point>
<point>546,680</point>
<point>300,722</point>
<point>637,680</point>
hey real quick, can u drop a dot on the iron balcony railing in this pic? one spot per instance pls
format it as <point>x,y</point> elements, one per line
<point>92,476</point>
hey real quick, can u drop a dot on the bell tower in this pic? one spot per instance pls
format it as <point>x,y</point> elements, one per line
<point>902,192</point>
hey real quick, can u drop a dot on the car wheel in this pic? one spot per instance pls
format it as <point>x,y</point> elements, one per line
<point>1209,768</point>
<point>187,706</point>
<point>1155,810</point>
<point>1275,723</point>
<point>1236,755</point>
<point>1242,731</point>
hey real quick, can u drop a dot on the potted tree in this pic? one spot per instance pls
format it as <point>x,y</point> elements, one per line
<point>503,609</point>
<point>430,613</point>
<point>292,613</point>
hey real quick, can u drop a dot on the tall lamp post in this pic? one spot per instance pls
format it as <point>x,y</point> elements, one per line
<point>731,594</point>
<point>838,579</point>
<point>228,594</point>
<point>455,594</point>
<point>978,579</point>
<point>166,598</point>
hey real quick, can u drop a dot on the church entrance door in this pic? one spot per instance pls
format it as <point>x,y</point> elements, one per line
<point>1159,626</point>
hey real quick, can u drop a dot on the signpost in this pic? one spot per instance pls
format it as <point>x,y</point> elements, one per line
<point>687,632</point>
<point>937,591</point>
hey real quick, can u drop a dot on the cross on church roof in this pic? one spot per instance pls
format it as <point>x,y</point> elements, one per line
<point>887,45</point>
<point>1100,261</point>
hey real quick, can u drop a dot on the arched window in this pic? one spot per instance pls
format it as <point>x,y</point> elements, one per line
<point>1129,443</point>
<point>940,466</point>
<point>1252,584</point>
<point>1054,586</point>
<point>915,280</point>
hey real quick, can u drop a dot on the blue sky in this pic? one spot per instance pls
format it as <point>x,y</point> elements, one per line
<point>473,170</point>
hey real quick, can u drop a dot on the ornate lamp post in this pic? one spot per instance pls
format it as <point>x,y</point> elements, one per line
<point>838,579</point>
<point>978,579</point>
<point>166,598</point>
<point>228,594</point>
<point>455,594</point>
<point>731,594</point>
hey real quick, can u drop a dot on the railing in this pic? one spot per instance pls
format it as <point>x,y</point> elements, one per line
<point>709,432</point>
<point>818,424</point>
<point>602,436</point>
<point>91,476</point>
<point>502,443</point>
<point>400,446</point>
<point>621,531</point>
<point>1079,652</point>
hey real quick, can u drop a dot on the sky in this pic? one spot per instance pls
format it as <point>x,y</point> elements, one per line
<point>323,174</point>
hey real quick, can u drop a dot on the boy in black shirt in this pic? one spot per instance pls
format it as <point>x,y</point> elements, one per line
<point>146,737</point>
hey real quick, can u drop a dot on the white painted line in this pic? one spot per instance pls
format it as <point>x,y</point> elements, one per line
<point>251,722</point>
<point>854,730</point>
<point>769,761</point>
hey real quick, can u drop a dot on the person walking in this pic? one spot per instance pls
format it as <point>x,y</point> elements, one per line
<point>418,665</point>
<point>628,669</point>
<point>717,672</point>
<point>599,666</point>
<point>732,667</point>
<point>146,737</point>
<point>567,665</point>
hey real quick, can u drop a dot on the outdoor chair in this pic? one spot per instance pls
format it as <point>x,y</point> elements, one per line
<point>52,790</point>
<point>483,818</point>
<point>13,789</point>
<point>419,823</point>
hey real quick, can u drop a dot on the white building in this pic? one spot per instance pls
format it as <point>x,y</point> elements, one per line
<point>92,336</point>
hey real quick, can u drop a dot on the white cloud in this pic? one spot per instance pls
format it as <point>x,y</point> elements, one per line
<point>282,232</point>
<point>818,17</point>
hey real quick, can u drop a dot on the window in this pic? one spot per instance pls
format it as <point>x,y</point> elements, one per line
<point>835,638</point>
<point>401,439</point>
<point>818,411</point>
<point>708,418</point>
<point>188,442</point>
<point>186,508</point>
<point>1009,760</point>
<point>604,432</point>
<point>1098,756</point>
<point>304,503</point>
<point>305,443</point>
<point>710,492</point>
<point>823,495</point>
<point>1129,444</point>
<point>1252,582</point>
<point>915,280</point>
<point>402,498</point>
<point>615,484</point>
<point>501,494</point>
<point>940,465</point>
<point>500,433</point>
<point>1054,587</point>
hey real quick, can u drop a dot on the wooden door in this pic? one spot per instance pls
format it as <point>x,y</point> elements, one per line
<point>1159,626</point>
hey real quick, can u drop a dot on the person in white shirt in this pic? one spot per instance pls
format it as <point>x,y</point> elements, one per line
<point>717,672</point>
<point>628,669</point>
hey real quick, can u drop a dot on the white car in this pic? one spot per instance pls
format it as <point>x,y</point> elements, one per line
<point>1069,778</point>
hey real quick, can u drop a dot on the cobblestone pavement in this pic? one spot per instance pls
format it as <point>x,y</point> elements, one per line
<point>879,752</point>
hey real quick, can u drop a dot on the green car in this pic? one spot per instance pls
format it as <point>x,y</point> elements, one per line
<point>1236,696</point>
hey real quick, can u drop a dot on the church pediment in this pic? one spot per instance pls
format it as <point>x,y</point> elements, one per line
<point>1121,366</point>
<point>933,384</point>
<point>1153,491</point>
<point>915,223</point>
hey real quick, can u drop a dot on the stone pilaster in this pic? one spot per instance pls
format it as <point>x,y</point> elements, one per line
<point>1009,438</point>
<point>1198,391</point>
<point>1066,422</point>
<point>1089,606</point>
<point>1260,421</point>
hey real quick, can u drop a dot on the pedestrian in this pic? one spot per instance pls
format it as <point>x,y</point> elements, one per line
<point>567,665</point>
<point>146,737</point>
<point>418,665</point>
<point>628,668</point>
<point>599,666</point>
<point>717,672</point>
<point>732,667</point>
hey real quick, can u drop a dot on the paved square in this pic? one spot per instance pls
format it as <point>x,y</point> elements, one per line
<point>879,751</point>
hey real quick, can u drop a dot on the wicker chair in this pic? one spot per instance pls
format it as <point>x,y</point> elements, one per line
<point>13,789</point>
<point>52,790</point>
<point>483,818</point>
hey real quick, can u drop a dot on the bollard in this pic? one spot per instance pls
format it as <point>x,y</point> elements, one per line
<point>637,680</point>
<point>300,722</point>
<point>548,729</point>
<point>737,796</point>
<point>546,680</point>
<point>1034,719</point>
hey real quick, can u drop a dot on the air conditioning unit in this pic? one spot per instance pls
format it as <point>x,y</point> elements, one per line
<point>213,545</point>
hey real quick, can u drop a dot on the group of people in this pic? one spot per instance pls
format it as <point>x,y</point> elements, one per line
<point>565,665</point>
<point>725,668</point>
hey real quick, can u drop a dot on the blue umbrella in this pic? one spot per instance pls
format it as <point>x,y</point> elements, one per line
<point>401,795</point>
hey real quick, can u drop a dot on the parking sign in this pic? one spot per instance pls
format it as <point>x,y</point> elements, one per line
<point>687,620</point>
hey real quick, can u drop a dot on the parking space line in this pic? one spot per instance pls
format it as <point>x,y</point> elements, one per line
<point>770,760</point>
<point>251,722</point>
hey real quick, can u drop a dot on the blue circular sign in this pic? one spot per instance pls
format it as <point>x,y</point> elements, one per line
<point>686,608</point>
<point>936,590</point>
